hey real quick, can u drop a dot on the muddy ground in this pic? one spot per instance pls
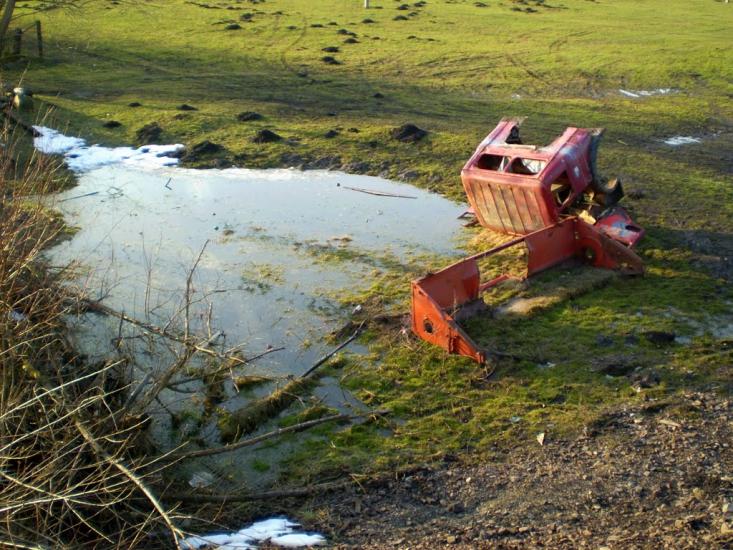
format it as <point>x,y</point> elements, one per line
<point>656,476</point>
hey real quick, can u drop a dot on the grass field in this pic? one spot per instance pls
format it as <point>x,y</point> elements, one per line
<point>453,68</point>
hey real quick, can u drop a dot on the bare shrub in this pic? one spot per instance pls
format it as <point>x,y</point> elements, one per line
<point>71,470</point>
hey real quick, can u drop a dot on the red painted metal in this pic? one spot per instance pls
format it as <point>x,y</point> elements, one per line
<point>618,225</point>
<point>527,191</point>
<point>438,297</point>
<point>517,189</point>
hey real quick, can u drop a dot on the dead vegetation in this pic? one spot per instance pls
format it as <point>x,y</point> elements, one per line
<point>71,472</point>
<point>78,467</point>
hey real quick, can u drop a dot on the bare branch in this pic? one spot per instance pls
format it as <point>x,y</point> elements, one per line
<point>267,495</point>
<point>175,532</point>
<point>264,437</point>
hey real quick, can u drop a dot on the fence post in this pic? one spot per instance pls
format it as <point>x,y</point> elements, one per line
<point>366,4</point>
<point>17,41</point>
<point>39,39</point>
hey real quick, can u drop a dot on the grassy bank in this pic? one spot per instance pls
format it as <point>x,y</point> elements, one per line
<point>454,69</point>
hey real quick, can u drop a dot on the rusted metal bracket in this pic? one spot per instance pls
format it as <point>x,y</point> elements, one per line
<point>437,298</point>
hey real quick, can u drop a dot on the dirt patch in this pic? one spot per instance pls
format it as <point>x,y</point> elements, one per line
<point>651,477</point>
<point>266,136</point>
<point>292,160</point>
<point>408,133</point>
<point>202,149</point>
<point>149,134</point>
<point>357,167</point>
<point>247,116</point>
<point>659,337</point>
<point>645,378</point>
<point>329,162</point>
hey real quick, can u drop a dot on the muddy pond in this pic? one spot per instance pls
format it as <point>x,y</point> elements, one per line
<point>275,252</point>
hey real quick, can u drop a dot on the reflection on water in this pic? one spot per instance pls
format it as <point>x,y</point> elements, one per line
<point>277,248</point>
<point>280,246</point>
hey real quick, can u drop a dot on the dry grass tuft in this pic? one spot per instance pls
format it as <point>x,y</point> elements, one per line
<point>70,475</point>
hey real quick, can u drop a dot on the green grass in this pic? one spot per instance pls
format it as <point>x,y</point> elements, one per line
<point>560,66</point>
<point>556,384</point>
<point>453,69</point>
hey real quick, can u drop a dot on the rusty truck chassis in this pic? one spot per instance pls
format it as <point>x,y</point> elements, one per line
<point>553,199</point>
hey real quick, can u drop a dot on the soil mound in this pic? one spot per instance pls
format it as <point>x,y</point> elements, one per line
<point>266,136</point>
<point>408,133</point>
<point>246,116</point>
<point>149,134</point>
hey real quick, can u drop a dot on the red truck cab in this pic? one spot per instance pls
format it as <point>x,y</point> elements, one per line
<point>552,200</point>
<point>518,189</point>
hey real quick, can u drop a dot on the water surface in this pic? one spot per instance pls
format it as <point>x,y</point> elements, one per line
<point>279,247</point>
<point>275,251</point>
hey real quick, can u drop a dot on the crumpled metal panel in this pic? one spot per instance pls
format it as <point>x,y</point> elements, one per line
<point>503,208</point>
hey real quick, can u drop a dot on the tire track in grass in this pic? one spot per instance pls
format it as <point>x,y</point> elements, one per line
<point>523,66</point>
<point>287,49</point>
<point>226,79</point>
<point>557,45</point>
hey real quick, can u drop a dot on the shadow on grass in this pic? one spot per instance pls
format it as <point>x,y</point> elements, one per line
<point>170,75</point>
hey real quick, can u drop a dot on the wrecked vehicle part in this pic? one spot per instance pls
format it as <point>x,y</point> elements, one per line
<point>517,189</point>
<point>554,199</point>
<point>440,300</point>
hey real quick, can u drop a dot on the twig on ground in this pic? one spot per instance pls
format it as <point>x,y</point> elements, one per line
<point>247,419</point>
<point>377,193</point>
<point>283,493</point>
<point>175,532</point>
<point>80,196</point>
<point>333,352</point>
<point>276,433</point>
<point>98,307</point>
<point>223,368</point>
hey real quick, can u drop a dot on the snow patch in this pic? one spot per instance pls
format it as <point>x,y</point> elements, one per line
<point>50,141</point>
<point>278,531</point>
<point>676,141</point>
<point>298,540</point>
<point>636,94</point>
<point>16,316</point>
<point>81,157</point>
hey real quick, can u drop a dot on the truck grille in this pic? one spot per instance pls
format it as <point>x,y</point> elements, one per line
<point>504,208</point>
